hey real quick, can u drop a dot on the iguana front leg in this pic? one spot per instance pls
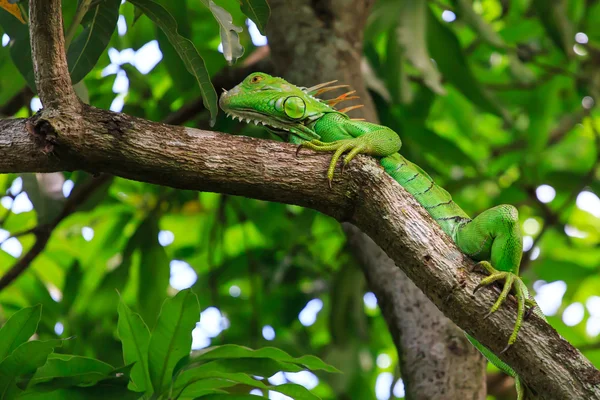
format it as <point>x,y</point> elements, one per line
<point>378,143</point>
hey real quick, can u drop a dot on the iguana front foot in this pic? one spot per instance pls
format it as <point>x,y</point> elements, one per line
<point>352,146</point>
<point>511,282</point>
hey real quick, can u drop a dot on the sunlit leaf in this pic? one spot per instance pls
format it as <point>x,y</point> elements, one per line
<point>18,329</point>
<point>135,338</point>
<point>230,39</point>
<point>171,339</point>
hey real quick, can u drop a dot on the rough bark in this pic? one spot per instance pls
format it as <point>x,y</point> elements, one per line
<point>314,42</point>
<point>185,158</point>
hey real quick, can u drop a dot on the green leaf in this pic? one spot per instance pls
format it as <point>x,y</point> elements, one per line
<point>234,351</point>
<point>71,371</point>
<point>25,359</point>
<point>230,39</point>
<point>258,11</point>
<point>464,9</point>
<point>189,378</point>
<point>452,63</point>
<point>171,339</point>
<point>98,26</point>
<point>412,36</point>
<point>154,269</point>
<point>45,193</point>
<point>101,391</point>
<point>556,22</point>
<point>229,397</point>
<point>135,338</point>
<point>20,48</point>
<point>18,329</point>
<point>186,50</point>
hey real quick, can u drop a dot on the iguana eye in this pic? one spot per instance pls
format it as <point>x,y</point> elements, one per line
<point>256,79</point>
<point>294,107</point>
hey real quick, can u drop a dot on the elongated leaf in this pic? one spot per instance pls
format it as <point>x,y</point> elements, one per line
<point>99,24</point>
<point>452,63</point>
<point>20,48</point>
<point>412,36</point>
<point>18,329</point>
<point>155,271</point>
<point>186,50</point>
<point>466,12</point>
<point>190,377</point>
<point>135,338</point>
<point>230,39</point>
<point>556,22</point>
<point>258,11</point>
<point>25,359</point>
<point>12,8</point>
<point>71,371</point>
<point>171,339</point>
<point>101,391</point>
<point>234,351</point>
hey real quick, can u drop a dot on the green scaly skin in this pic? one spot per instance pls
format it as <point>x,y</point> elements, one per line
<point>493,237</point>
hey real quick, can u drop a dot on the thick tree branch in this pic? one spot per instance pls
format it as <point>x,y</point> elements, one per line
<point>52,78</point>
<point>185,158</point>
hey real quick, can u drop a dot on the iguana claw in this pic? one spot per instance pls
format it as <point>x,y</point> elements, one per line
<point>352,146</point>
<point>511,282</point>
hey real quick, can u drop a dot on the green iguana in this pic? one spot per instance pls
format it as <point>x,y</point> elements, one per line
<point>296,113</point>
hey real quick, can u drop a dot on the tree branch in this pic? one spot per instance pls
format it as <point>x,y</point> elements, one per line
<point>185,158</point>
<point>52,77</point>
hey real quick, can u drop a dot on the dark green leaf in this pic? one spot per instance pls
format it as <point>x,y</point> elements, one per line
<point>557,24</point>
<point>451,61</point>
<point>171,339</point>
<point>99,24</point>
<point>186,50</point>
<point>258,11</point>
<point>18,329</point>
<point>135,338</point>
<point>20,48</point>
<point>155,271</point>
<point>189,379</point>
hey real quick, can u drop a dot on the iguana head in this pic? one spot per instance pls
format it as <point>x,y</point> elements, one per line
<point>274,102</point>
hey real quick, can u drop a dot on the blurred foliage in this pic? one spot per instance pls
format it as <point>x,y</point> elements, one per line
<point>494,98</point>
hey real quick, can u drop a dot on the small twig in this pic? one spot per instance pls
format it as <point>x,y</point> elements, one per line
<point>43,232</point>
<point>33,230</point>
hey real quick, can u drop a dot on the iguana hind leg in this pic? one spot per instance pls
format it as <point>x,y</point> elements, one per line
<point>495,235</point>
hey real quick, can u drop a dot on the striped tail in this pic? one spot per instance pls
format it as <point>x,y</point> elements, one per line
<point>436,200</point>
